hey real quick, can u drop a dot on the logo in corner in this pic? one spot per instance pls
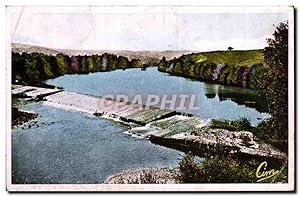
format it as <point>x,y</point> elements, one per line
<point>263,174</point>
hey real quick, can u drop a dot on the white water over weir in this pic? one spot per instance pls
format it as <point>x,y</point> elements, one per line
<point>127,112</point>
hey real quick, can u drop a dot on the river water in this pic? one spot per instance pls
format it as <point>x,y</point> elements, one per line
<point>214,101</point>
<point>70,147</point>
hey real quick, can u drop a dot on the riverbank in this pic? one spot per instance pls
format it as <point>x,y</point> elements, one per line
<point>21,117</point>
<point>237,68</point>
<point>143,176</point>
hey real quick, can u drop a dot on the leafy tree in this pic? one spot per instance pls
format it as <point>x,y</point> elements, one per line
<point>85,64</point>
<point>46,66</point>
<point>96,62</point>
<point>276,82</point>
<point>112,62</point>
<point>62,63</point>
<point>90,63</point>
<point>18,66</point>
<point>178,68</point>
<point>230,48</point>
<point>31,71</point>
<point>136,63</point>
<point>123,62</point>
<point>75,64</point>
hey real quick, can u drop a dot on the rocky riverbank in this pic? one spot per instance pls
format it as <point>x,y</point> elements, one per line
<point>190,134</point>
<point>143,176</point>
<point>20,117</point>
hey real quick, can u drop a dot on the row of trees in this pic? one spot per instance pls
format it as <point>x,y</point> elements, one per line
<point>243,76</point>
<point>34,68</point>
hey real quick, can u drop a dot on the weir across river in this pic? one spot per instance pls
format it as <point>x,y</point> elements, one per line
<point>127,112</point>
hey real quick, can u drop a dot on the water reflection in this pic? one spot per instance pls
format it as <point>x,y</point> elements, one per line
<point>240,96</point>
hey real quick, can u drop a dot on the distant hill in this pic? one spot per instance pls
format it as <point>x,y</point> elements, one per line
<point>145,56</point>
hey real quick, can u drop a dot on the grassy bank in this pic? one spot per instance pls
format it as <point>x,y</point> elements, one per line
<point>237,68</point>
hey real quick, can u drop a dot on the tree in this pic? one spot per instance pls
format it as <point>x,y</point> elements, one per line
<point>276,83</point>
<point>136,63</point>
<point>123,62</point>
<point>162,65</point>
<point>84,64</point>
<point>47,69</point>
<point>62,64</point>
<point>97,62</point>
<point>31,68</point>
<point>230,48</point>
<point>75,64</point>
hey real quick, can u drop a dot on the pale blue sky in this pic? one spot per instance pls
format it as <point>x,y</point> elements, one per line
<point>158,30</point>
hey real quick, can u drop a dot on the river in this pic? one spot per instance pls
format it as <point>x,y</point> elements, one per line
<point>69,147</point>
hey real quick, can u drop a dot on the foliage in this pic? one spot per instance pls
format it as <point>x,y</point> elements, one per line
<point>276,83</point>
<point>136,63</point>
<point>123,62</point>
<point>262,131</point>
<point>62,64</point>
<point>216,170</point>
<point>223,170</point>
<point>34,68</point>
<point>231,125</point>
<point>237,69</point>
<point>31,68</point>
<point>189,170</point>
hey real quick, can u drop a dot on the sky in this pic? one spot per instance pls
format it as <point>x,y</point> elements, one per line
<point>143,28</point>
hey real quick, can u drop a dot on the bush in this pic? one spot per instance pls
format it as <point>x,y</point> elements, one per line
<point>223,170</point>
<point>217,170</point>
<point>189,170</point>
<point>232,125</point>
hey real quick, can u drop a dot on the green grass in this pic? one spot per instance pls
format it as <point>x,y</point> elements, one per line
<point>235,58</point>
<point>231,125</point>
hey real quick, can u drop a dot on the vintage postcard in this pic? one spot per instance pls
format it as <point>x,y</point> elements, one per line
<point>150,98</point>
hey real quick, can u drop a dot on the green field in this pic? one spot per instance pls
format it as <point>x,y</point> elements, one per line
<point>235,58</point>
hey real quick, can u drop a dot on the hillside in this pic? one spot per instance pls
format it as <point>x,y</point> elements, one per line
<point>238,68</point>
<point>235,58</point>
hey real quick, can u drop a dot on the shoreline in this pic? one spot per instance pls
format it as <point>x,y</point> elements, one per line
<point>143,176</point>
<point>20,117</point>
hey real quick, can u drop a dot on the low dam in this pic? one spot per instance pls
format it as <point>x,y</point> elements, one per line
<point>127,112</point>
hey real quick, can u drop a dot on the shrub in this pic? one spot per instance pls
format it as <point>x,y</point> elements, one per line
<point>231,125</point>
<point>223,170</point>
<point>189,170</point>
<point>217,170</point>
